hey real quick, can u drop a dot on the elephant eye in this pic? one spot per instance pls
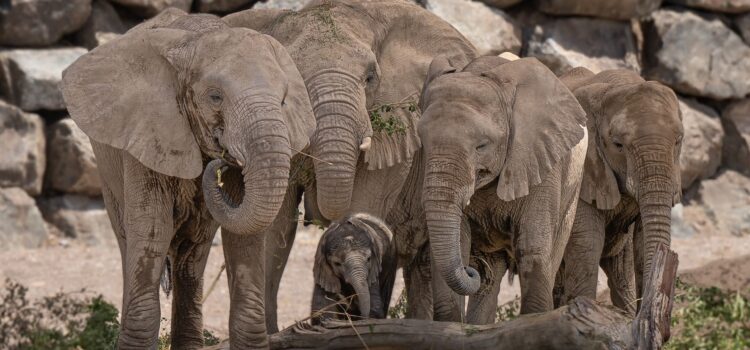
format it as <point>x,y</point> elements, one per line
<point>618,145</point>
<point>214,95</point>
<point>482,146</point>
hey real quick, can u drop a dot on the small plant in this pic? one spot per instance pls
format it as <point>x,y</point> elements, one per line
<point>709,318</point>
<point>383,118</point>
<point>509,310</point>
<point>399,310</point>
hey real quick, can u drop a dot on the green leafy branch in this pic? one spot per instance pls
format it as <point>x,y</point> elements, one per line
<point>383,117</point>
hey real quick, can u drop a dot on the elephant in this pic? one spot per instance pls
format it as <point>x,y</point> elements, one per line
<point>499,173</point>
<point>364,64</point>
<point>631,178</point>
<point>355,256</point>
<point>171,97</point>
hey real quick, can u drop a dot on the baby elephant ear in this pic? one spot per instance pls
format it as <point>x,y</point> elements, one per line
<point>124,94</point>
<point>322,272</point>
<point>440,65</point>
<point>546,122</point>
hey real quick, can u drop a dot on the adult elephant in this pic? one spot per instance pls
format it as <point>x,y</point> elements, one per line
<point>364,64</point>
<point>500,170</point>
<point>159,103</point>
<point>631,177</point>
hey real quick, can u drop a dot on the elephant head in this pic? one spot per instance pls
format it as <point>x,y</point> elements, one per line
<point>179,90</point>
<point>356,55</point>
<point>352,251</point>
<point>496,121</point>
<point>635,136</point>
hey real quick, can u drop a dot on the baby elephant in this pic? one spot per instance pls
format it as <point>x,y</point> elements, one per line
<point>355,257</point>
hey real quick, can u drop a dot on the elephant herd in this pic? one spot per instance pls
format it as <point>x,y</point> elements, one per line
<point>420,154</point>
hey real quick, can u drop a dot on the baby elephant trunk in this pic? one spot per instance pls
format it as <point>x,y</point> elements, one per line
<point>356,276</point>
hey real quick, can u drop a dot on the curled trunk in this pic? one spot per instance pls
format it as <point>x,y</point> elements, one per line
<point>247,203</point>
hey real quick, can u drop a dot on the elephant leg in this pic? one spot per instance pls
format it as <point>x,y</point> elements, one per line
<point>280,237</point>
<point>482,308</point>
<point>580,270</point>
<point>187,270</point>
<point>245,260</point>
<point>621,278</point>
<point>449,305</point>
<point>115,214</point>
<point>417,280</point>
<point>149,228</point>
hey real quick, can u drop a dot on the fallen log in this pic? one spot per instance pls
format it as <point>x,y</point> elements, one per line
<point>582,324</point>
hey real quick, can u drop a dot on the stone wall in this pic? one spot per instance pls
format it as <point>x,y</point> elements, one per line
<point>49,186</point>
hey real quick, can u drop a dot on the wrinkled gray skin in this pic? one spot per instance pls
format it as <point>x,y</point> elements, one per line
<point>355,257</point>
<point>159,103</point>
<point>354,56</point>
<point>631,177</point>
<point>499,172</point>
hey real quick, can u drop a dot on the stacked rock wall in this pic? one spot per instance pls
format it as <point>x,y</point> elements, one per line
<point>49,185</point>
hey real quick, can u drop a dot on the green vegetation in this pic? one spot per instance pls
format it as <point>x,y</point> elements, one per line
<point>63,321</point>
<point>383,118</point>
<point>398,310</point>
<point>709,318</point>
<point>509,310</point>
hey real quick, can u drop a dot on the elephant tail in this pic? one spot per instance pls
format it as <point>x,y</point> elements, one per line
<point>166,277</point>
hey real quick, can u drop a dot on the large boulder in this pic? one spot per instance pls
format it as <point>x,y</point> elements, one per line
<point>597,44</point>
<point>22,224</point>
<point>80,217</point>
<point>71,166</point>
<point>491,30</point>
<point>736,120</point>
<point>726,202</point>
<point>22,158</point>
<point>281,4</point>
<point>696,54</point>
<point>611,9</point>
<point>221,6</point>
<point>702,143</point>
<point>728,6</point>
<point>103,24</point>
<point>150,8</point>
<point>743,24</point>
<point>40,22</point>
<point>29,78</point>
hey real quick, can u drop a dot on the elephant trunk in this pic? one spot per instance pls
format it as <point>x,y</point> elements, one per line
<point>443,205</point>
<point>261,147</point>
<point>356,274</point>
<point>341,127</point>
<point>655,174</point>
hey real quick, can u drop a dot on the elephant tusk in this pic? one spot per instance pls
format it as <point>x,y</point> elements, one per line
<point>218,178</point>
<point>366,143</point>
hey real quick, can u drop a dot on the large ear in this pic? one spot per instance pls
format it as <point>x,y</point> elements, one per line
<point>322,272</point>
<point>546,122</point>
<point>380,237</point>
<point>300,119</point>
<point>257,19</point>
<point>599,184</point>
<point>124,94</point>
<point>407,38</point>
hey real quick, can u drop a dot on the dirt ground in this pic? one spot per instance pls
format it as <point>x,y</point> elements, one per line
<point>710,260</point>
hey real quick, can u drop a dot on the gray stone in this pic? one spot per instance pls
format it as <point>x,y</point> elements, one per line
<point>150,8</point>
<point>22,224</point>
<point>501,4</point>
<point>40,22</point>
<point>221,6</point>
<point>281,4</point>
<point>696,54</point>
<point>22,148</point>
<point>702,142</point>
<point>736,120</point>
<point>728,6</point>
<point>611,9</point>
<point>726,202</point>
<point>104,20</point>
<point>29,78</point>
<point>597,44</point>
<point>743,23</point>
<point>680,227</point>
<point>491,30</point>
<point>71,166</point>
<point>80,217</point>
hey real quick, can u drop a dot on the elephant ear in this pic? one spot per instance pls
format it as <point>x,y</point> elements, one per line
<point>599,184</point>
<point>408,37</point>
<point>298,112</point>
<point>380,237</point>
<point>546,122</point>
<point>124,94</point>
<point>257,19</point>
<point>322,271</point>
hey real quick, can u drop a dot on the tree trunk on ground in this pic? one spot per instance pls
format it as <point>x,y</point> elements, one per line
<point>582,324</point>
